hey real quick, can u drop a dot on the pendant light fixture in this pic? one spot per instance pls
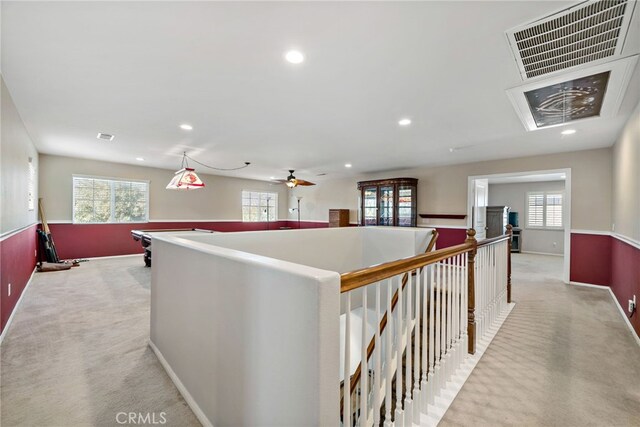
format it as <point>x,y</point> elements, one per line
<point>187,178</point>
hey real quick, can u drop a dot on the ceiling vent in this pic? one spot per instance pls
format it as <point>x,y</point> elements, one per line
<point>105,136</point>
<point>589,32</point>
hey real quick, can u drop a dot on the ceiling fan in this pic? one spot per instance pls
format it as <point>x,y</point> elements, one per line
<point>292,181</point>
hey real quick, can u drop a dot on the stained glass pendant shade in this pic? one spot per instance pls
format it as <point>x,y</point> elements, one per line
<point>185,179</point>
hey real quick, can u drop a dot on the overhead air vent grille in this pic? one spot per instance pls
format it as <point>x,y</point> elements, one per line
<point>591,31</point>
<point>105,136</point>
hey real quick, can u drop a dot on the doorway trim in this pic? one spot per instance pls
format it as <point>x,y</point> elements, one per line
<point>566,211</point>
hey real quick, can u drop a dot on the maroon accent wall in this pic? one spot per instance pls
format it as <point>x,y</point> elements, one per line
<point>17,261</point>
<point>590,259</point>
<point>625,276</point>
<point>450,237</point>
<point>98,240</point>
<point>308,224</point>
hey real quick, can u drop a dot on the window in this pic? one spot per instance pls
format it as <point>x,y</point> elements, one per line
<point>259,206</point>
<point>101,200</point>
<point>544,209</point>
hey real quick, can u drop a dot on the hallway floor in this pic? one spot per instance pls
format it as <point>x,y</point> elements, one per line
<point>77,355</point>
<point>563,357</point>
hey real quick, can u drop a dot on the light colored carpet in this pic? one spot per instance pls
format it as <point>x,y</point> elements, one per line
<point>77,355</point>
<point>564,357</point>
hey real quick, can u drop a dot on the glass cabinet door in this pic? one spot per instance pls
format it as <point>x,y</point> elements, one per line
<point>370,206</point>
<point>386,205</point>
<point>390,202</point>
<point>406,206</point>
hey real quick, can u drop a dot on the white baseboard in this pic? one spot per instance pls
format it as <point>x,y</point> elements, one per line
<point>617,303</point>
<point>589,285</point>
<point>624,315</point>
<point>181,388</point>
<point>541,253</point>
<point>15,308</point>
<point>112,256</point>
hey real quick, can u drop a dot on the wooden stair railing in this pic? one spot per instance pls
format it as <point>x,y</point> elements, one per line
<point>355,378</point>
<point>360,278</point>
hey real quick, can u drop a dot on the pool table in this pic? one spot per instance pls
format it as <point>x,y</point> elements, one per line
<point>144,237</point>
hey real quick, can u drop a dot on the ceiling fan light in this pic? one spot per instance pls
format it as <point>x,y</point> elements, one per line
<point>292,183</point>
<point>185,179</point>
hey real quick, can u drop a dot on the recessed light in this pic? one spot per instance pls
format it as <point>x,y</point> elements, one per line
<point>140,159</point>
<point>347,165</point>
<point>294,56</point>
<point>185,126</point>
<point>105,136</point>
<point>404,122</point>
<point>568,132</point>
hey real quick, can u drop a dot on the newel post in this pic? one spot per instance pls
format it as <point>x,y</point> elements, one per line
<point>471,301</point>
<point>509,246</point>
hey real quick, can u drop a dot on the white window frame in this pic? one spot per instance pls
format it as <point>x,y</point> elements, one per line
<point>112,216</point>
<point>274,197</point>
<point>544,195</point>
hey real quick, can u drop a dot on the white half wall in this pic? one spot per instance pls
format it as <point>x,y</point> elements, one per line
<point>253,340</point>
<point>248,323</point>
<point>335,249</point>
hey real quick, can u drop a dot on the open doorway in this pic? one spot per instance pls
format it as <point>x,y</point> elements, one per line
<point>536,203</point>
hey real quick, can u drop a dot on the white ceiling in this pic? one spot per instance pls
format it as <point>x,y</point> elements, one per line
<point>139,69</point>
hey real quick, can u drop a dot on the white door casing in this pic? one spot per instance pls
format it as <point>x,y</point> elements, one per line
<point>479,212</point>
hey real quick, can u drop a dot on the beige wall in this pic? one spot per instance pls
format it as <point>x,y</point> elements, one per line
<point>514,196</point>
<point>444,189</point>
<point>16,148</point>
<point>626,179</point>
<point>219,200</point>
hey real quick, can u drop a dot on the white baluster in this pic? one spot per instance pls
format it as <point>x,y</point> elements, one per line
<point>346,395</point>
<point>483,289</point>
<point>398,419</point>
<point>424,394</point>
<point>456,311</point>
<point>388,356</point>
<point>408,399</point>
<point>454,314</point>
<point>465,309</point>
<point>377,371</point>
<point>438,329</point>
<point>416,349</point>
<point>364,371</point>
<point>487,280</point>
<point>449,317</point>
<point>432,336</point>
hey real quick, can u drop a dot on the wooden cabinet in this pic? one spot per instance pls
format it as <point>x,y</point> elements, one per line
<point>389,202</point>
<point>338,217</point>
<point>497,220</point>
